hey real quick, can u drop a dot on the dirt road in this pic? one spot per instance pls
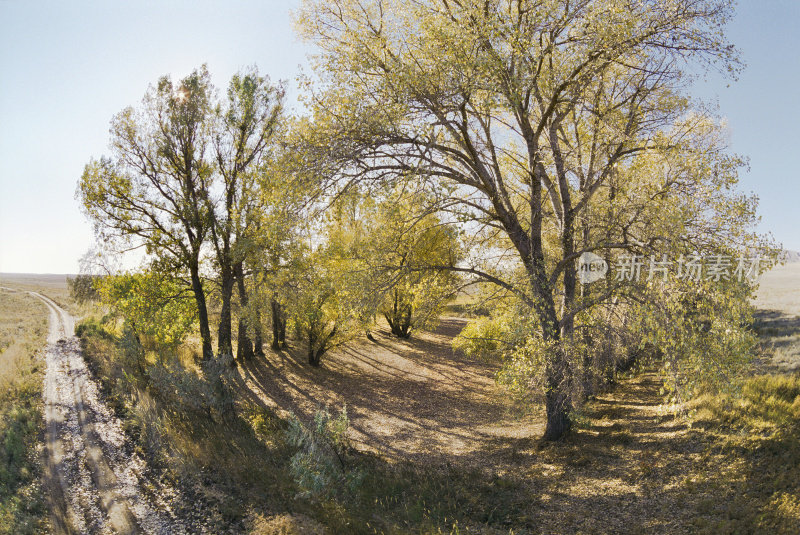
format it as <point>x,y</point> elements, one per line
<point>96,484</point>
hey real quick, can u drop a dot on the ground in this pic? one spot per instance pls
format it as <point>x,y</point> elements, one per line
<point>778,318</point>
<point>412,400</point>
<point>416,401</point>
<point>23,330</point>
<point>632,465</point>
<point>447,451</point>
<point>419,400</point>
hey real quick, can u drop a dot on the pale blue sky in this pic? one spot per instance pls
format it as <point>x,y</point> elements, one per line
<point>67,67</point>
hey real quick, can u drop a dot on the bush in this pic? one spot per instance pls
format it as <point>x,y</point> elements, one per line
<point>156,307</point>
<point>484,338</point>
<point>83,288</point>
<point>319,467</point>
<point>91,327</point>
<point>178,386</point>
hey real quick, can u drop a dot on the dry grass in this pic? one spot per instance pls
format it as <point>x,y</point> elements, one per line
<point>53,286</point>
<point>286,524</point>
<point>23,332</point>
<point>452,458</point>
<point>779,333</point>
<point>747,476</point>
<point>778,319</point>
<point>779,289</point>
<point>219,463</point>
<point>752,457</point>
<point>631,466</point>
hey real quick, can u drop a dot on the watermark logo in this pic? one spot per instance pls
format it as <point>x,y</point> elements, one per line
<point>591,268</point>
<point>632,268</point>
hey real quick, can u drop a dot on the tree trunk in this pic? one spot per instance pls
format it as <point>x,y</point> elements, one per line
<point>399,318</point>
<point>558,403</point>
<point>244,346</point>
<point>570,281</point>
<point>282,330</point>
<point>202,312</point>
<point>278,325</point>
<point>313,354</point>
<point>224,340</point>
<point>405,325</point>
<point>258,339</point>
<point>318,344</point>
<point>558,421</point>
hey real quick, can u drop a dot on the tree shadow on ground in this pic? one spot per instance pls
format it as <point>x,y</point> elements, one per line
<point>444,444</point>
<point>779,333</point>
<point>413,399</point>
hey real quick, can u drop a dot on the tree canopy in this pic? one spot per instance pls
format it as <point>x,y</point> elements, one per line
<point>456,142</point>
<point>548,129</point>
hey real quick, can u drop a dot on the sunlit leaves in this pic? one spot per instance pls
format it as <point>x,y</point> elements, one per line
<point>154,306</point>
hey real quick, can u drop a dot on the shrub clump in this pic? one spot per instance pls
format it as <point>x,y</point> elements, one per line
<point>320,468</point>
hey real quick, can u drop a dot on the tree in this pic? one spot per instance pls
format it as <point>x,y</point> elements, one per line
<point>532,116</point>
<point>399,252</point>
<point>153,192</point>
<point>244,131</point>
<point>276,246</point>
<point>153,305</point>
<point>185,175</point>
<point>82,287</point>
<point>325,309</point>
<point>414,250</point>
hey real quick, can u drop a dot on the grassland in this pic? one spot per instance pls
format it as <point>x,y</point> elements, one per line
<point>23,334</point>
<point>53,286</point>
<point>778,319</point>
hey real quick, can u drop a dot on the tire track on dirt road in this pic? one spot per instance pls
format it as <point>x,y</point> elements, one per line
<point>96,484</point>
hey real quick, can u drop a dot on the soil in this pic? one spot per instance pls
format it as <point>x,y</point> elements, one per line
<point>410,399</point>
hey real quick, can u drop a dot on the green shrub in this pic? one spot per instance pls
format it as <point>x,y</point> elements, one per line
<point>154,305</point>
<point>484,338</point>
<point>319,467</point>
<point>91,327</point>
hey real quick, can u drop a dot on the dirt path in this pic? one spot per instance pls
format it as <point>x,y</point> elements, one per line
<point>413,400</point>
<point>96,484</point>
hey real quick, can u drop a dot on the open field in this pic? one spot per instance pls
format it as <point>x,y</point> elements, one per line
<point>779,289</point>
<point>778,317</point>
<point>52,286</point>
<point>23,331</point>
